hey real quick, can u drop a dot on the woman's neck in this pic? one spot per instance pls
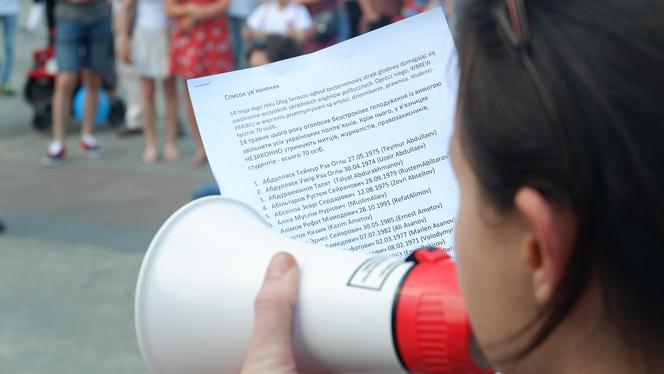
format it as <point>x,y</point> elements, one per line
<point>584,343</point>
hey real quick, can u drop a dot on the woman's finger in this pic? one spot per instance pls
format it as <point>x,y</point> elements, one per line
<point>270,350</point>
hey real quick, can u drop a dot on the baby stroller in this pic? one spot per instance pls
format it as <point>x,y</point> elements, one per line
<point>40,86</point>
<point>40,83</point>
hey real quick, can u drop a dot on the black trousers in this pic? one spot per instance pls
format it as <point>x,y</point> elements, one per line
<point>354,16</point>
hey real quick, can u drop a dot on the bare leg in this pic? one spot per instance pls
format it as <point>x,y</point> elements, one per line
<point>92,84</point>
<point>199,157</point>
<point>171,152</point>
<point>149,114</point>
<point>65,83</point>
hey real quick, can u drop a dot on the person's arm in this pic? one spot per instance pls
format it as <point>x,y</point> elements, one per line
<point>369,13</point>
<point>176,9</point>
<point>182,14</point>
<point>303,26</point>
<point>252,30</point>
<point>250,34</point>
<point>123,26</point>
<point>300,36</point>
<point>202,13</point>
<point>309,2</point>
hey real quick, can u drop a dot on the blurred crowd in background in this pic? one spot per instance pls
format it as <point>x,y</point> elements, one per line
<point>105,58</point>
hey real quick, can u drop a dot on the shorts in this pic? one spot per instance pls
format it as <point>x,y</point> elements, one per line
<point>83,45</point>
<point>151,52</point>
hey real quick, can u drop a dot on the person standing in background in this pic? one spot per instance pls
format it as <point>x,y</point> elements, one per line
<point>128,81</point>
<point>8,17</point>
<point>149,51</point>
<point>200,46</point>
<point>325,17</point>
<point>238,12</point>
<point>353,15</point>
<point>379,13</point>
<point>279,17</point>
<point>368,15</point>
<point>82,44</point>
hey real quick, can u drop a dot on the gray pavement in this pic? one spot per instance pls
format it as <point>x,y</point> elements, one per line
<point>75,239</point>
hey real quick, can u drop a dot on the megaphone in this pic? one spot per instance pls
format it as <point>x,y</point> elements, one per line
<point>355,313</point>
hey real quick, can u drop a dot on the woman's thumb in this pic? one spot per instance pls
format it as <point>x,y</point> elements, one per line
<point>270,350</point>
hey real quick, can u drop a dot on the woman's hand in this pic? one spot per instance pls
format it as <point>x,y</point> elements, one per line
<point>271,349</point>
<point>199,12</point>
<point>124,50</point>
<point>184,24</point>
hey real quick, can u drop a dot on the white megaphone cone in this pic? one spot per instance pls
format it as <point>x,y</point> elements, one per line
<point>355,313</point>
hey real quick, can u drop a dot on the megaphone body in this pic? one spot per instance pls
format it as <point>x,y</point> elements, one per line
<point>355,313</point>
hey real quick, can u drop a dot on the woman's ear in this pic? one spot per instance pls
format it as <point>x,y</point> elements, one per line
<point>548,242</point>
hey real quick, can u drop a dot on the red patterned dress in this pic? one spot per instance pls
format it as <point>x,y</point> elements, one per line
<point>205,50</point>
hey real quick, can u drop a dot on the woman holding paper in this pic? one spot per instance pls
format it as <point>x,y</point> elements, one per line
<point>560,233</point>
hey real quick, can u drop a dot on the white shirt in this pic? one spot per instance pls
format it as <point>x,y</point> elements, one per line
<point>151,14</point>
<point>269,19</point>
<point>241,8</point>
<point>8,7</point>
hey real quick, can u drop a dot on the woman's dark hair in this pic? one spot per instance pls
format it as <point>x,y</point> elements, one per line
<point>584,125</point>
<point>277,47</point>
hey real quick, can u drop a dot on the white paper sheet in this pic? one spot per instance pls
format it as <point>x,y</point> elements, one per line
<point>347,147</point>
